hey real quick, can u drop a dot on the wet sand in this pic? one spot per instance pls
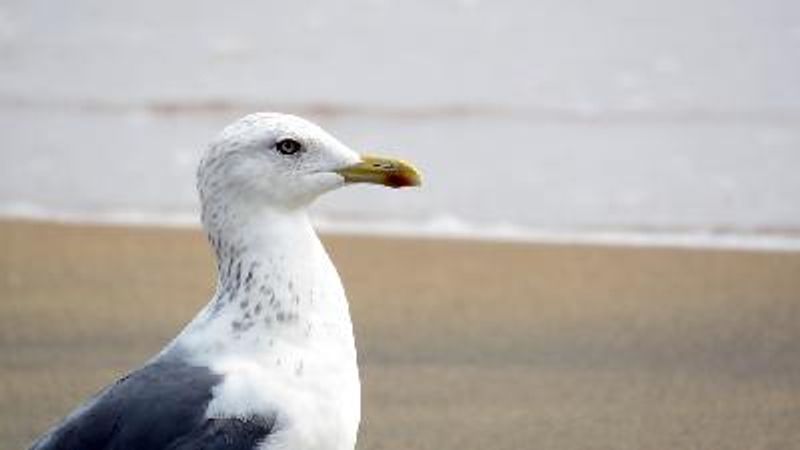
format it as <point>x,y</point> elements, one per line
<point>462,344</point>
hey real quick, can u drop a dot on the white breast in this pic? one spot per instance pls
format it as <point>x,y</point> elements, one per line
<point>314,394</point>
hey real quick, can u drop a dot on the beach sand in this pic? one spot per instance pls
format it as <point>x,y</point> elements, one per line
<point>463,345</point>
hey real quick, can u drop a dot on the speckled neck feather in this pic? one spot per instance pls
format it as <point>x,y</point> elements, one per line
<point>275,282</point>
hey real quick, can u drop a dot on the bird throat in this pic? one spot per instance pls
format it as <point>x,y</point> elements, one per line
<point>275,280</point>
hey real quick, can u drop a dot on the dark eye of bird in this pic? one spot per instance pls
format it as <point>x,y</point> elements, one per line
<point>288,146</point>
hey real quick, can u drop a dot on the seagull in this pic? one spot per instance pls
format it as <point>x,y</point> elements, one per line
<point>270,362</point>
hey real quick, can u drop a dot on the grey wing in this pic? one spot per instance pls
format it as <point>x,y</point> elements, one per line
<point>159,407</point>
<point>225,434</point>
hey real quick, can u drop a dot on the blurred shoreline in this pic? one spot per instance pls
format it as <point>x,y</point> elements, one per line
<point>453,228</point>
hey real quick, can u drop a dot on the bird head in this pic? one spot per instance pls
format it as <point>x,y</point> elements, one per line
<point>285,162</point>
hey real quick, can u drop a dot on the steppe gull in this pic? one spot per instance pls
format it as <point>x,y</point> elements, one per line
<point>270,362</point>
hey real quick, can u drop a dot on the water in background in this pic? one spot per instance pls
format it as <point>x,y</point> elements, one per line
<point>629,117</point>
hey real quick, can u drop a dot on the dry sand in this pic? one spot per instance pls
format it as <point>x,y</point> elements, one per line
<point>462,344</point>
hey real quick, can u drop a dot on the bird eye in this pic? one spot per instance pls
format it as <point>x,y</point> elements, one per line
<point>288,146</point>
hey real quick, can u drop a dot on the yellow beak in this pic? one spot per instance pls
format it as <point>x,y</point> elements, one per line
<point>378,170</point>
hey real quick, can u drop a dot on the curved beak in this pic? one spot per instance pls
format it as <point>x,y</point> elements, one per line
<point>379,170</point>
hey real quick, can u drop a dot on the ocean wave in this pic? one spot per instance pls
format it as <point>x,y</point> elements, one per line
<point>576,114</point>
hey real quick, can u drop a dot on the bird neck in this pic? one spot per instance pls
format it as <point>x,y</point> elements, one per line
<point>273,244</point>
<point>275,283</point>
